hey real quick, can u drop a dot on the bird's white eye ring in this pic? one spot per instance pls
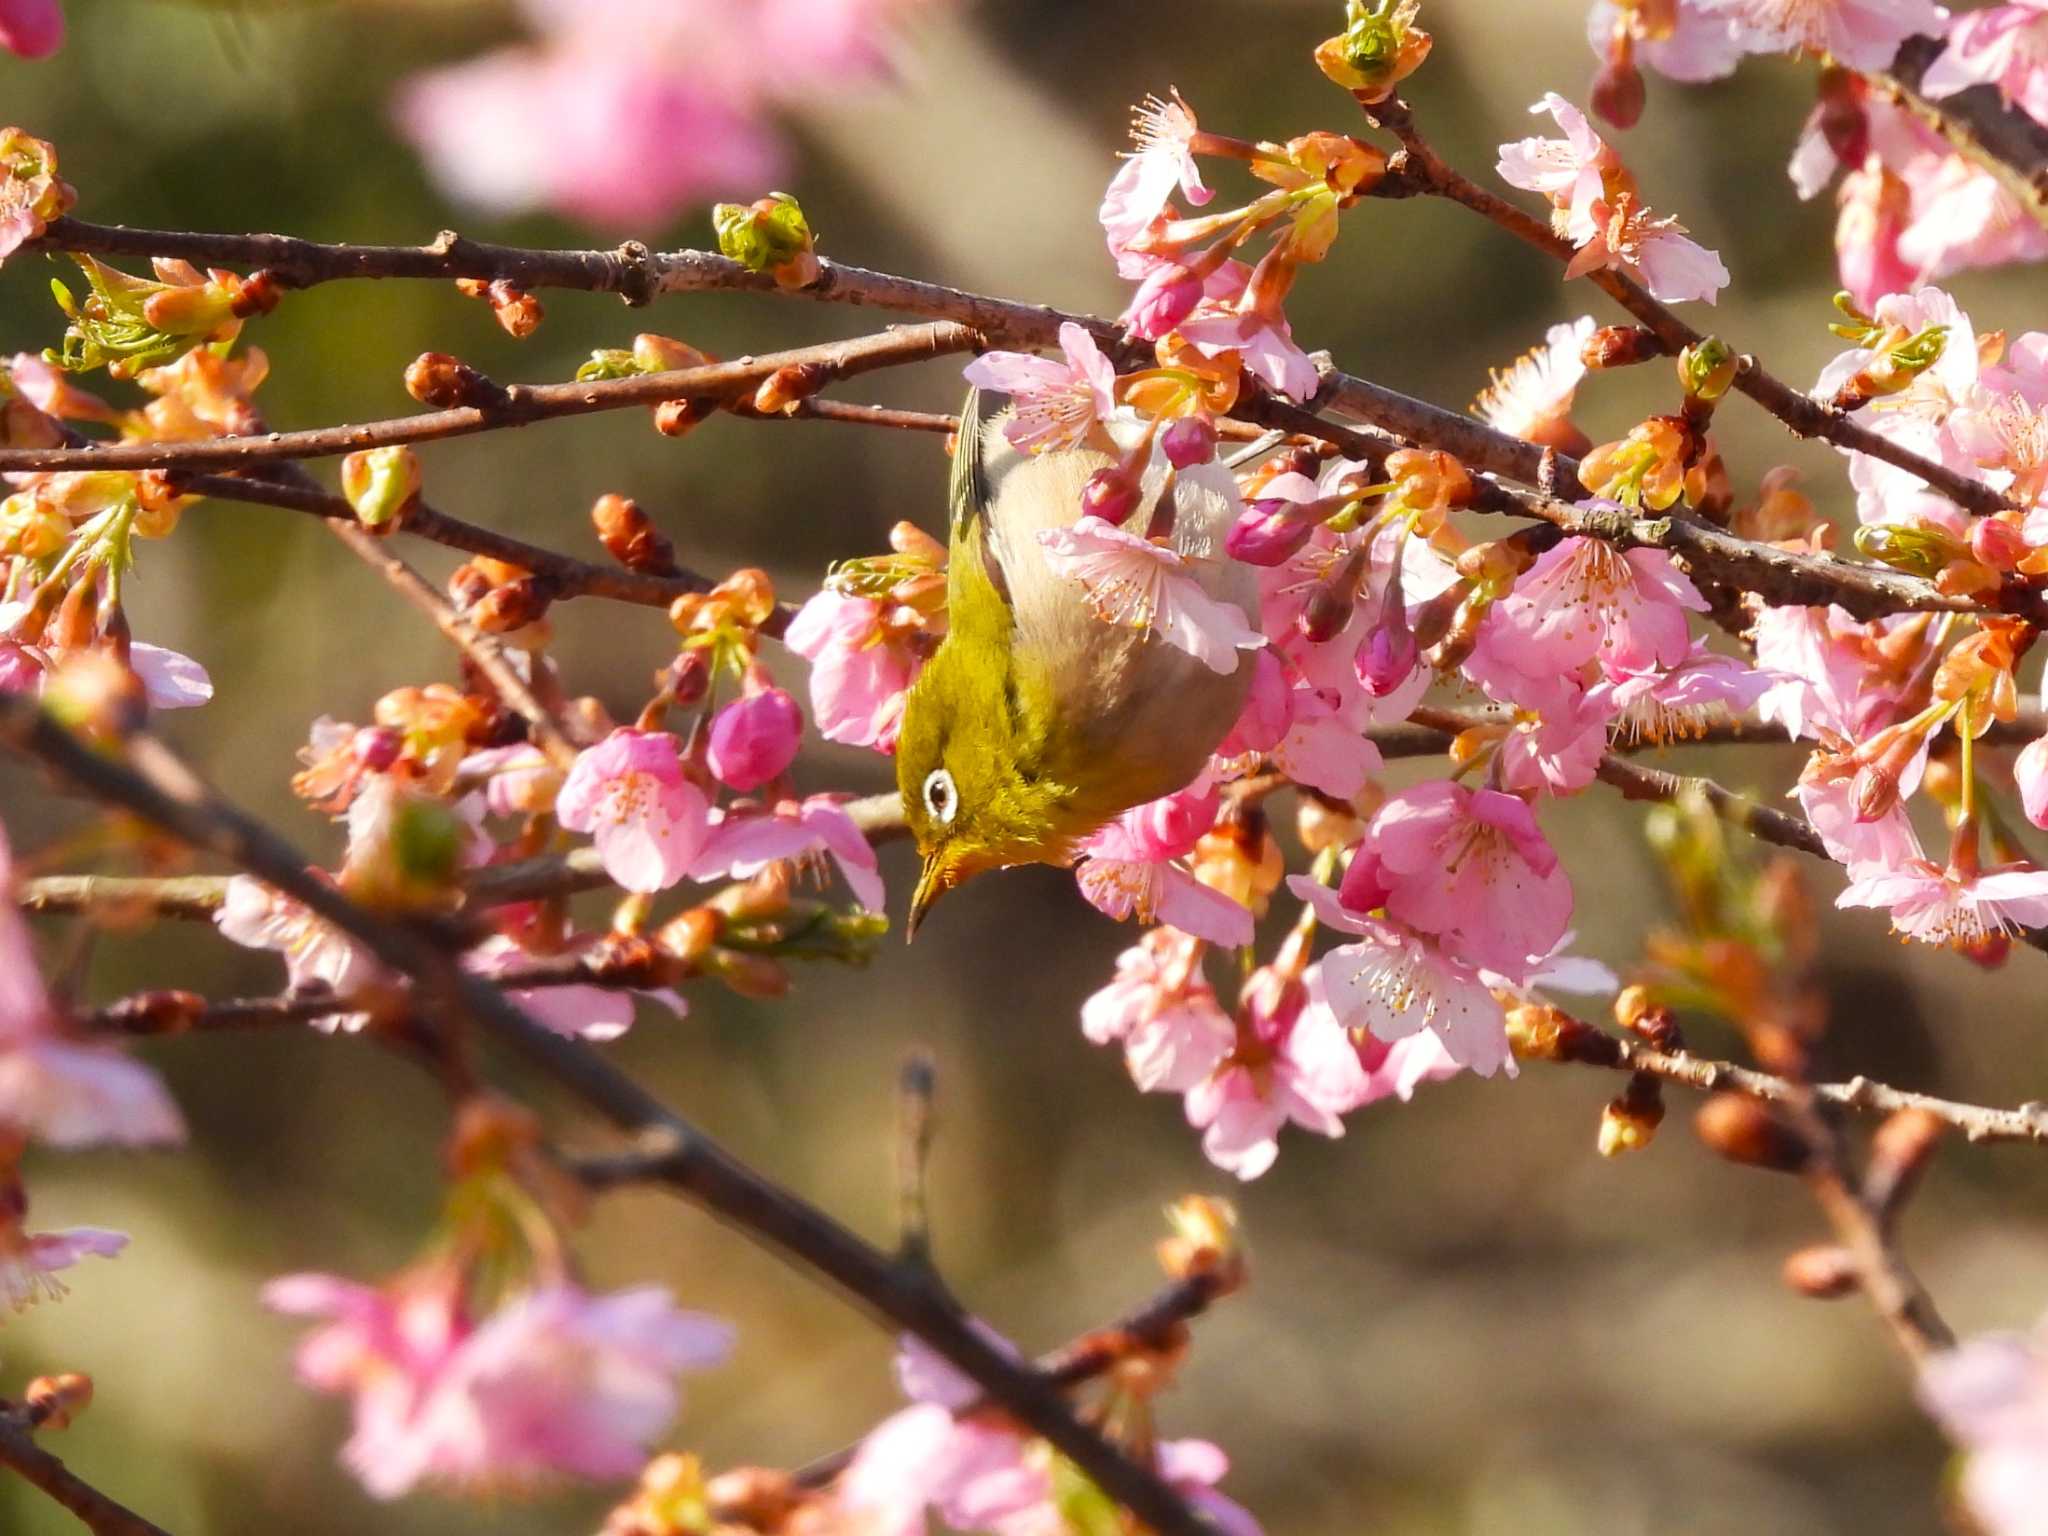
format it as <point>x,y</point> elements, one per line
<point>940,797</point>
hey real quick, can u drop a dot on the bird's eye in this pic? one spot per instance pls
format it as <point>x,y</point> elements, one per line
<point>940,797</point>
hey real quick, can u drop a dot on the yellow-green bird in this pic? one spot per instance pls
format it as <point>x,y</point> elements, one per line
<point>1036,722</point>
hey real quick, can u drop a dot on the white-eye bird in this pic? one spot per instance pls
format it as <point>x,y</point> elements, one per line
<point>1037,721</point>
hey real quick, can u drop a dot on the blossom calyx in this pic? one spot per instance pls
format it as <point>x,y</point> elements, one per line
<point>768,235</point>
<point>1707,368</point>
<point>382,485</point>
<point>1379,47</point>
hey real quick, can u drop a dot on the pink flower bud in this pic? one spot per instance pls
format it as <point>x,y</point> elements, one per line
<point>1110,494</point>
<point>1167,296</point>
<point>1269,532</point>
<point>1188,441</point>
<point>1388,657</point>
<point>376,747</point>
<point>1997,543</point>
<point>754,738</point>
<point>1365,885</point>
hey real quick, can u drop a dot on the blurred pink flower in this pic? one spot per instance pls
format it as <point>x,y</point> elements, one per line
<point>755,737</point>
<point>647,820</point>
<point>56,1091</point>
<point>1161,1007</point>
<point>1054,404</point>
<point>624,112</point>
<point>317,957</point>
<point>1991,1394</point>
<point>1695,46</point>
<point>34,29</point>
<point>596,1014</point>
<point>557,1381</point>
<point>1862,34</point>
<point>859,672</point>
<point>29,1261</point>
<point>2001,45</point>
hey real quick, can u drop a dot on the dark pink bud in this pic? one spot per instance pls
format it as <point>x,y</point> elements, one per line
<point>1110,494</point>
<point>1618,94</point>
<point>376,747</point>
<point>1188,441</point>
<point>1167,296</point>
<point>1365,885</point>
<point>754,738</point>
<point>1269,532</point>
<point>1388,658</point>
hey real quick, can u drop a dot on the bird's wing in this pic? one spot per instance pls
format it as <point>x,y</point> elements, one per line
<point>968,500</point>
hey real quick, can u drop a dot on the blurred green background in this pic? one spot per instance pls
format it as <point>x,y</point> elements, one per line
<point>1461,1321</point>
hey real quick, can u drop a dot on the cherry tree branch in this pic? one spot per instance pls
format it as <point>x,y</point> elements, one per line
<point>1977,122</point>
<point>517,405</point>
<point>96,1511</point>
<point>151,783</point>
<point>1422,170</point>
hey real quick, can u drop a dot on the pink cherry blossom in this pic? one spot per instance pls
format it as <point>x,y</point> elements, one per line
<point>1291,1066</point>
<point>1471,867</point>
<point>745,840</point>
<point>596,1014</point>
<point>1163,1011</point>
<point>1648,704</point>
<point>1053,404</point>
<point>1557,168</point>
<point>1325,746</point>
<point>1862,34</point>
<point>1991,1394</point>
<point>1950,380</point>
<point>754,739</point>
<point>1132,581</point>
<point>1583,599</point>
<point>29,1261</point>
<point>519,780</point>
<point>1862,843</point>
<point>2001,45</point>
<point>33,29</point>
<point>1532,397</point>
<point>2030,773</point>
<point>1820,661</point>
<point>1555,747</point>
<point>859,670</point>
<point>1697,46</point>
<point>1163,162</point>
<point>317,957</point>
<point>1131,868</point>
<point>1394,983</point>
<point>647,820</point>
<point>1955,906</point>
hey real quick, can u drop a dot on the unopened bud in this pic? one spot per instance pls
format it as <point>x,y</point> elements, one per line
<point>630,537</point>
<point>54,1401</point>
<point>1620,346</point>
<point>769,235</point>
<point>1539,1032</point>
<point>1270,531</point>
<point>1618,93</point>
<point>512,606</point>
<point>786,387</point>
<point>467,585</point>
<point>1745,1131</point>
<point>381,485</point>
<point>1188,441</point>
<point>1997,542</point>
<point>664,354</point>
<point>1823,1272</point>
<point>1110,494</point>
<point>689,935</point>
<point>445,383</point>
<point>674,418</point>
<point>1629,1123</point>
<point>517,312</point>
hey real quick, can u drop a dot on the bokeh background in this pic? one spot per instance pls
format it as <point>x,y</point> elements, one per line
<point>1462,1320</point>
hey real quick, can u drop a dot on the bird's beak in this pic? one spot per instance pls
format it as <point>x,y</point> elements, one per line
<point>938,877</point>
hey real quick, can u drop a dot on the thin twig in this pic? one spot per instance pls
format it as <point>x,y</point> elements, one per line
<point>520,405</point>
<point>158,788</point>
<point>98,1513</point>
<point>1425,171</point>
